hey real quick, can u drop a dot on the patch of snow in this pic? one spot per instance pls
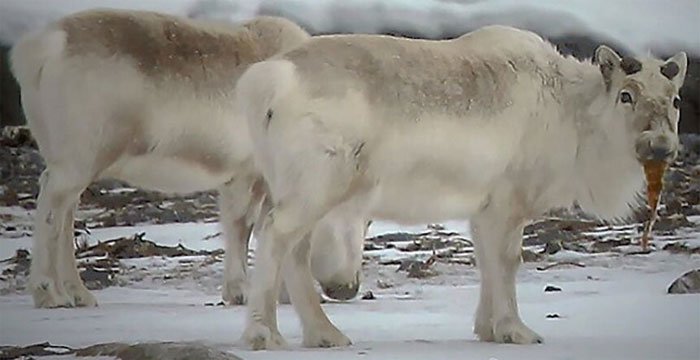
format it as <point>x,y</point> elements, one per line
<point>195,236</point>
<point>627,315</point>
<point>692,243</point>
<point>124,190</point>
<point>9,246</point>
<point>387,227</point>
<point>385,256</point>
<point>568,255</point>
<point>389,255</point>
<point>190,235</point>
<point>606,231</point>
<point>15,211</point>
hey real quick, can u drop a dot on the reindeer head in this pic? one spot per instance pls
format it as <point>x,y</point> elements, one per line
<point>645,94</point>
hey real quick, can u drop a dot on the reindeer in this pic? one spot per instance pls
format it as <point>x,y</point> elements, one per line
<point>495,126</point>
<point>147,98</point>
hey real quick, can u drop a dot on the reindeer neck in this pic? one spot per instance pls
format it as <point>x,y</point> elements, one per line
<point>607,175</point>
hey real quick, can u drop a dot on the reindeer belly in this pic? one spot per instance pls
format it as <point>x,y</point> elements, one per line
<point>183,154</point>
<point>437,170</point>
<point>170,174</point>
<point>418,201</point>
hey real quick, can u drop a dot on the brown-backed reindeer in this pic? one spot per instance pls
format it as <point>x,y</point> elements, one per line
<point>147,98</point>
<point>495,126</point>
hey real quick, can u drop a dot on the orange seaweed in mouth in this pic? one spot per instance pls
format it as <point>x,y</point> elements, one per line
<point>654,172</point>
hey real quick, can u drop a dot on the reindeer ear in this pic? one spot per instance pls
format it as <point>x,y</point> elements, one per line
<point>608,60</point>
<point>675,68</point>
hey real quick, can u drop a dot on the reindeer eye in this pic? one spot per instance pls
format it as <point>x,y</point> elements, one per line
<point>677,102</point>
<point>625,97</point>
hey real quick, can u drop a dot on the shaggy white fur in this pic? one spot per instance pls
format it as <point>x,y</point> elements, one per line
<point>147,98</point>
<point>495,126</point>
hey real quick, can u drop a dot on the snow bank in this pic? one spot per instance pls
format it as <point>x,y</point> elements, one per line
<point>640,25</point>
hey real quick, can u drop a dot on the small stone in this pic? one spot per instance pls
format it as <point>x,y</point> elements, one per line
<point>552,247</point>
<point>157,350</point>
<point>552,288</point>
<point>95,278</point>
<point>671,223</point>
<point>368,246</point>
<point>530,256</point>
<point>688,283</point>
<point>575,246</point>
<point>384,284</point>
<point>609,244</point>
<point>681,248</point>
<point>417,269</point>
<point>368,295</point>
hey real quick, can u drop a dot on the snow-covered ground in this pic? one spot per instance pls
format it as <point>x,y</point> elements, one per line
<point>605,313</point>
<point>614,308</point>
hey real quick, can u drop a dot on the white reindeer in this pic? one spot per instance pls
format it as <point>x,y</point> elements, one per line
<point>147,98</point>
<point>495,126</point>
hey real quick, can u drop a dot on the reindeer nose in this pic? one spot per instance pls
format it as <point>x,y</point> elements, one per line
<point>342,292</point>
<point>660,148</point>
<point>661,153</point>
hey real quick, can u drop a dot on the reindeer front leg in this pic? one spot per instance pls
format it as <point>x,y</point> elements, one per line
<point>497,241</point>
<point>282,230</point>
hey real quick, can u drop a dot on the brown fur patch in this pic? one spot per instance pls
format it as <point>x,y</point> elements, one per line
<point>414,75</point>
<point>161,46</point>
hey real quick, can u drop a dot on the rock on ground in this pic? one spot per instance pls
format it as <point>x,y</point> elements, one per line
<point>688,283</point>
<point>157,351</point>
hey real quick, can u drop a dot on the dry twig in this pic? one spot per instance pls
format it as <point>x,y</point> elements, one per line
<point>560,263</point>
